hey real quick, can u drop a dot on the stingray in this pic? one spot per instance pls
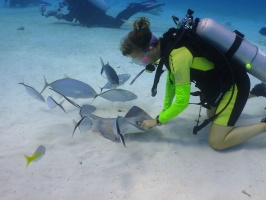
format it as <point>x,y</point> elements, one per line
<point>115,128</point>
<point>104,126</point>
<point>130,123</point>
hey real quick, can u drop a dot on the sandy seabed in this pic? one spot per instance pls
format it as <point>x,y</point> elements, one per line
<point>168,162</point>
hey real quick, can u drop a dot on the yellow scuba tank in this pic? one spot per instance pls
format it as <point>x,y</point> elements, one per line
<point>245,53</point>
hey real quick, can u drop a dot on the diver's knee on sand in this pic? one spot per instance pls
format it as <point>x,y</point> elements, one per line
<point>217,136</point>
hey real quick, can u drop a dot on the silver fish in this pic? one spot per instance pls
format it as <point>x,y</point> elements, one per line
<point>86,110</point>
<point>33,93</point>
<point>52,103</point>
<point>71,88</point>
<point>122,79</point>
<point>118,95</point>
<point>84,124</point>
<point>110,73</point>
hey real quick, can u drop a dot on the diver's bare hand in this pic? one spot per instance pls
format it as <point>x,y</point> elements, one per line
<point>148,124</point>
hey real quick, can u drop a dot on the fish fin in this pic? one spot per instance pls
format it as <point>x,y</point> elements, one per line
<point>28,160</point>
<point>61,105</point>
<point>101,88</point>
<point>45,85</point>
<point>77,125</point>
<point>66,76</point>
<point>74,122</point>
<point>95,97</point>
<point>102,65</point>
<point>22,84</point>
<point>62,108</point>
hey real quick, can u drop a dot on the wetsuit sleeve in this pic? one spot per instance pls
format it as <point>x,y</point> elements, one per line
<point>182,94</point>
<point>169,92</point>
<point>180,61</point>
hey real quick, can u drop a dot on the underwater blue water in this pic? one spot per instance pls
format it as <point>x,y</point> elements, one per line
<point>244,9</point>
<point>51,48</point>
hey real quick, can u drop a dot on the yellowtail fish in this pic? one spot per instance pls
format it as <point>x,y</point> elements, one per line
<point>37,155</point>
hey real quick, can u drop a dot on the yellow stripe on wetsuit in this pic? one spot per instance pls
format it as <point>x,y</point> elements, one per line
<point>224,117</point>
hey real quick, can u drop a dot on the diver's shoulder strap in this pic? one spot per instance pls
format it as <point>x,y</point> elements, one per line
<point>158,74</point>
<point>168,41</point>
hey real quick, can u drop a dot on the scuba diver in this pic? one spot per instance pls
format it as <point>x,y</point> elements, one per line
<point>224,90</point>
<point>24,3</point>
<point>92,13</point>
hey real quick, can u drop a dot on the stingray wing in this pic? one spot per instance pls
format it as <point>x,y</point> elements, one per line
<point>104,126</point>
<point>136,111</point>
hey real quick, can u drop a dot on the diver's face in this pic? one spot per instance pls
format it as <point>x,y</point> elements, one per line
<point>139,57</point>
<point>137,54</point>
<point>145,58</point>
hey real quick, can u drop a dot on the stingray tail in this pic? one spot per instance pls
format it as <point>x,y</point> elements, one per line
<point>118,132</point>
<point>45,85</point>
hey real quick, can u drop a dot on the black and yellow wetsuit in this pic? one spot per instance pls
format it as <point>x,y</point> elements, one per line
<point>186,68</point>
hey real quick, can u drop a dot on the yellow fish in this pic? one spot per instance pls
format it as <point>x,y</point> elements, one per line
<point>37,155</point>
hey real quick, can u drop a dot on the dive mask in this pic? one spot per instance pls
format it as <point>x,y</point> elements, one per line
<point>141,61</point>
<point>144,60</point>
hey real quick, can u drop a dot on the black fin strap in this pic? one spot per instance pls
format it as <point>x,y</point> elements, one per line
<point>158,74</point>
<point>197,128</point>
<point>236,44</point>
